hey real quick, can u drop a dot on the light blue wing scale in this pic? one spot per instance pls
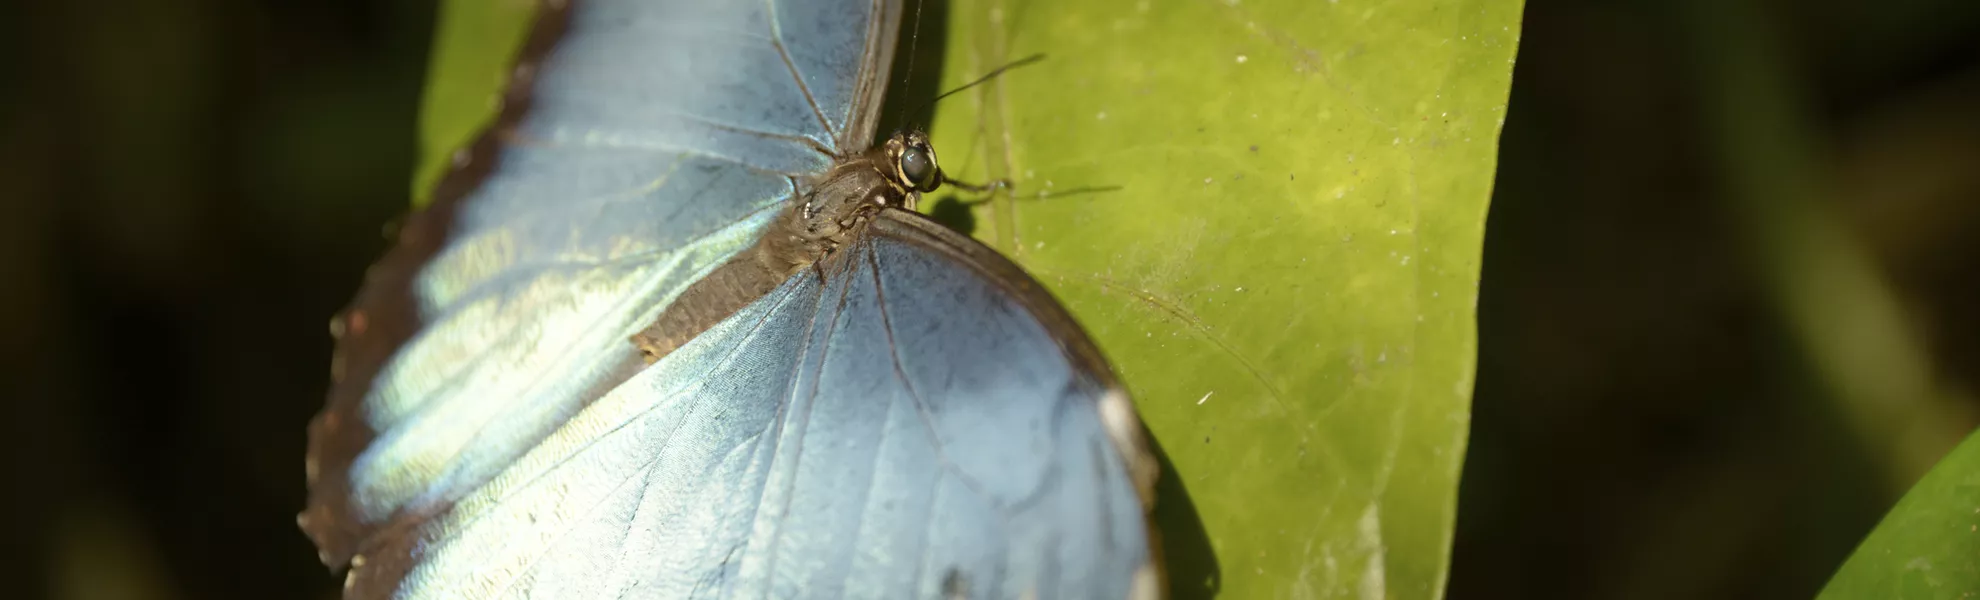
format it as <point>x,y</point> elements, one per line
<point>1016,423</point>
<point>698,77</point>
<point>813,34</point>
<point>638,493</point>
<point>905,427</point>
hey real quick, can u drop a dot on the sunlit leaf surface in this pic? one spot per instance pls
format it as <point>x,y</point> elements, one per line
<point>1268,214</point>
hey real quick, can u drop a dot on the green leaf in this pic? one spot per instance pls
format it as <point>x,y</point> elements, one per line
<point>1929,545</point>
<point>1268,214</point>
<point>473,50</point>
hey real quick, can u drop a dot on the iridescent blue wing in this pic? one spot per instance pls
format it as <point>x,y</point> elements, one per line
<point>642,143</point>
<point>923,421</point>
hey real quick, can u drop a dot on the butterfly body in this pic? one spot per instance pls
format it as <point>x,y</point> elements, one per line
<point>831,210</point>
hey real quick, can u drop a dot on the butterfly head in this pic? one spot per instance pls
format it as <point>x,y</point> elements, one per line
<point>913,163</point>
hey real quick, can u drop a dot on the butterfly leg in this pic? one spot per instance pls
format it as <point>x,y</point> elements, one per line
<point>986,190</point>
<point>993,185</point>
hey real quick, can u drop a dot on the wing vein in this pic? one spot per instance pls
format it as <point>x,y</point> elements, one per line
<point>921,407</point>
<point>516,576</point>
<point>728,358</point>
<point>777,39</point>
<point>539,378</point>
<point>797,459</point>
<point>873,468</point>
<point>558,140</point>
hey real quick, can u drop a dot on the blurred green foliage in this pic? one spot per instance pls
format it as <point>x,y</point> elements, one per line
<point>1727,307</point>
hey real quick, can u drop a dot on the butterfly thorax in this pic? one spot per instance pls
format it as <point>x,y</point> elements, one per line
<point>829,212</point>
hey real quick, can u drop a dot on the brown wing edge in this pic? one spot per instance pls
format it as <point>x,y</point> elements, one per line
<point>385,314</point>
<point>876,64</point>
<point>1117,414</point>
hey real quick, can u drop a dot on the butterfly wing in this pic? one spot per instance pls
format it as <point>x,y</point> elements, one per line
<point>641,144</point>
<point>922,421</point>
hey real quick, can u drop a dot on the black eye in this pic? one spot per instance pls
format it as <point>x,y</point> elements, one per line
<point>918,166</point>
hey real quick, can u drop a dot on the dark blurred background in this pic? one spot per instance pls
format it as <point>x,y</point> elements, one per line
<point>1730,307</point>
<point>192,188</point>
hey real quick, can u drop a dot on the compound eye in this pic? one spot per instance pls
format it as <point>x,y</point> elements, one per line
<point>918,166</point>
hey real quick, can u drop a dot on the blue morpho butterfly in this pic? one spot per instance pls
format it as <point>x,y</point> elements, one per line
<point>672,330</point>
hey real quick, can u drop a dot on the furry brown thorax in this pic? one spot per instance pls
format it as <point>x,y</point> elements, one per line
<point>828,213</point>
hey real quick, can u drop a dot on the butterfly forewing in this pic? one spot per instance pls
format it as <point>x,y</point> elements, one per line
<point>641,143</point>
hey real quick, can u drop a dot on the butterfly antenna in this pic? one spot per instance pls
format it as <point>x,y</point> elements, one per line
<point>999,71</point>
<point>993,186</point>
<point>979,81</point>
<point>913,40</point>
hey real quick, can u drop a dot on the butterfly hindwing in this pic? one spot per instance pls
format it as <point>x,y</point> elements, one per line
<point>906,425</point>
